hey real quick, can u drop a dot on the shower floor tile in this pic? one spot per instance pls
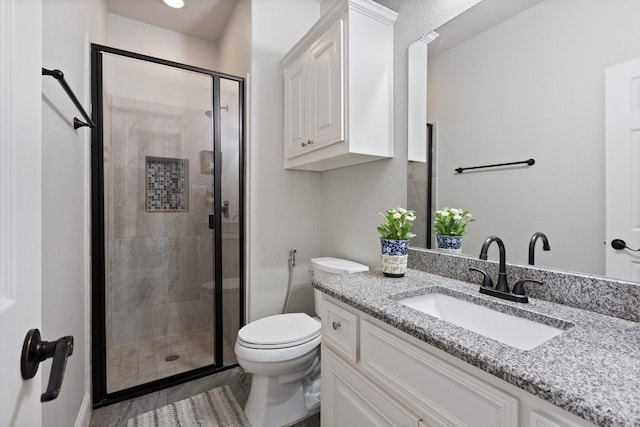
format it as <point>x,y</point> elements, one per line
<point>132,364</point>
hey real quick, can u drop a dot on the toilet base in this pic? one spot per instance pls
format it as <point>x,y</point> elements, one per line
<point>272,403</point>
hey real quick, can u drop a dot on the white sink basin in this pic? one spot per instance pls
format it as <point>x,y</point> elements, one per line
<point>508,329</point>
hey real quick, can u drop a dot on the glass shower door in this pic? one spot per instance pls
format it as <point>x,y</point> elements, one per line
<point>159,193</point>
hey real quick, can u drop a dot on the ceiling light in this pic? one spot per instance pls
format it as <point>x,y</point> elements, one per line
<point>176,4</point>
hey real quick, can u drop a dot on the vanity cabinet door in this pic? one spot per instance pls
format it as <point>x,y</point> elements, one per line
<point>350,400</point>
<point>542,420</point>
<point>441,393</point>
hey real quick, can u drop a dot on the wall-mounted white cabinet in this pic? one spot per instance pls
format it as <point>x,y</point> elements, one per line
<point>375,375</point>
<point>338,89</point>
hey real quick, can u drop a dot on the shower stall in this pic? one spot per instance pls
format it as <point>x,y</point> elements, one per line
<point>167,222</point>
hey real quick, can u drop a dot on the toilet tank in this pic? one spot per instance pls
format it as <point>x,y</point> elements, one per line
<point>328,266</point>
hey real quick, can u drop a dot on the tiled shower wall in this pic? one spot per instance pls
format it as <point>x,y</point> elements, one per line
<point>417,189</point>
<point>157,261</point>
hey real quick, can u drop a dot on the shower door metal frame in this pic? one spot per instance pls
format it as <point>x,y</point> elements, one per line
<point>98,315</point>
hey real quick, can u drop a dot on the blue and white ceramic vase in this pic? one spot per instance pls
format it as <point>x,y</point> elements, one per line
<point>451,244</point>
<point>394,257</point>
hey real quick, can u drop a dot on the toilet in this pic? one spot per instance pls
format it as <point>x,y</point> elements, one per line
<point>282,352</point>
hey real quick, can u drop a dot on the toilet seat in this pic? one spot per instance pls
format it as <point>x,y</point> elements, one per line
<point>261,355</point>
<point>279,331</point>
<point>278,338</point>
<point>277,346</point>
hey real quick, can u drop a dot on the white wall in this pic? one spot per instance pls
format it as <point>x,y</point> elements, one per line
<point>68,27</point>
<point>138,37</point>
<point>235,43</point>
<point>541,96</point>
<point>284,207</point>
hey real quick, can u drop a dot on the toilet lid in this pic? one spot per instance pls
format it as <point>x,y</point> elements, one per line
<point>281,330</point>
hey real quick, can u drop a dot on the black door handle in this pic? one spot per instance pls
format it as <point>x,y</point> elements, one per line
<point>211,222</point>
<point>34,351</point>
<point>619,244</point>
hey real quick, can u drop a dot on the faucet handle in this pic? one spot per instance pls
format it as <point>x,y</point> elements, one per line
<point>486,280</point>
<point>518,288</point>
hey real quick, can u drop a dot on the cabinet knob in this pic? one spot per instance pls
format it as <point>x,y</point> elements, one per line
<point>304,144</point>
<point>309,142</point>
<point>336,325</point>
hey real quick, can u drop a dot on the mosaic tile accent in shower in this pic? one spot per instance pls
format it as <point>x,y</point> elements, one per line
<point>167,184</point>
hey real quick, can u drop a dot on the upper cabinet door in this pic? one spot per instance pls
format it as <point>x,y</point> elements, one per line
<point>296,98</point>
<point>326,88</point>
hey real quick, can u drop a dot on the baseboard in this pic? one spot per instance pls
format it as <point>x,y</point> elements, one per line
<point>84,414</point>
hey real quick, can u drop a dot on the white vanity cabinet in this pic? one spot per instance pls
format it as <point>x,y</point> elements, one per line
<point>338,87</point>
<point>349,398</point>
<point>375,375</point>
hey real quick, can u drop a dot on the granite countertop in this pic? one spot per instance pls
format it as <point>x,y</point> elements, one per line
<point>592,369</point>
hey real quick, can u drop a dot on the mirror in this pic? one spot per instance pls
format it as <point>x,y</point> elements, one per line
<point>417,100</point>
<point>526,84</point>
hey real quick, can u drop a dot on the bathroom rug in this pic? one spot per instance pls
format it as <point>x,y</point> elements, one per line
<point>215,407</point>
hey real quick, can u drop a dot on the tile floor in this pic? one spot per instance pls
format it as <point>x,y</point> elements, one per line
<point>239,382</point>
<point>144,361</point>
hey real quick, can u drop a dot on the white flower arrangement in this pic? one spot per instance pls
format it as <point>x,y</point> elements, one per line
<point>397,224</point>
<point>451,221</point>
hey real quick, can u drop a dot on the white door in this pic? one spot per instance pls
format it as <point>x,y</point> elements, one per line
<point>622,152</point>
<point>20,204</point>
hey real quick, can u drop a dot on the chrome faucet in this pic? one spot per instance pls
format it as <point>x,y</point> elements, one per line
<point>502,285</point>
<point>532,245</point>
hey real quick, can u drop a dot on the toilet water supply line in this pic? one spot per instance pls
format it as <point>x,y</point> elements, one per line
<point>292,265</point>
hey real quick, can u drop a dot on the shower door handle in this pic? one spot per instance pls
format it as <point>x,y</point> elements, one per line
<point>211,222</point>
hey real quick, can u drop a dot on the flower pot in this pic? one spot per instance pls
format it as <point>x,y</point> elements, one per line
<point>394,257</point>
<point>451,244</point>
